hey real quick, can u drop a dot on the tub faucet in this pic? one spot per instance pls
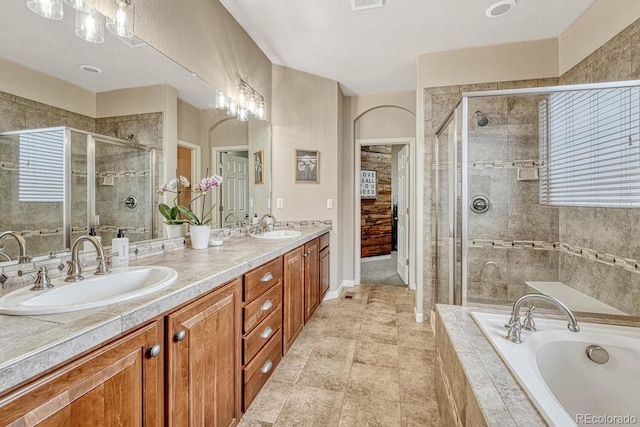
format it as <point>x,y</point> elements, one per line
<point>23,258</point>
<point>514,327</point>
<point>75,269</point>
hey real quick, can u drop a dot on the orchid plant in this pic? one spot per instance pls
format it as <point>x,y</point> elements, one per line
<point>200,191</point>
<point>175,186</point>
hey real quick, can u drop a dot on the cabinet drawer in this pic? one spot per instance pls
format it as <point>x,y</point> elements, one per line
<point>324,241</point>
<point>264,305</point>
<point>257,281</point>
<point>258,371</point>
<point>260,335</point>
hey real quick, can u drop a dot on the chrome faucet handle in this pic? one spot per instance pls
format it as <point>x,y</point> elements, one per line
<point>529,323</point>
<point>102,268</point>
<point>75,271</point>
<point>514,330</point>
<point>42,281</point>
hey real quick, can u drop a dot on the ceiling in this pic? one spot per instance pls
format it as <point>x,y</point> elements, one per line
<point>374,50</point>
<point>52,48</point>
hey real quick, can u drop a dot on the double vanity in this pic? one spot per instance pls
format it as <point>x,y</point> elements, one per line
<point>192,352</point>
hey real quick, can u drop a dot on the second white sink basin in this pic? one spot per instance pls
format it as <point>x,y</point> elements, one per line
<point>277,234</point>
<point>121,284</point>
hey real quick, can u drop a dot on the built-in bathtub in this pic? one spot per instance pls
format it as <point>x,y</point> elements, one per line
<point>567,387</point>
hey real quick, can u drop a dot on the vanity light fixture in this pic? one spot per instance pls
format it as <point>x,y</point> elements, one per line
<point>253,101</point>
<point>221,100</point>
<point>232,107</point>
<point>500,8</point>
<point>243,114</point>
<point>50,9</point>
<point>120,20</point>
<point>90,25</point>
<point>260,111</point>
<point>82,5</point>
<point>242,94</point>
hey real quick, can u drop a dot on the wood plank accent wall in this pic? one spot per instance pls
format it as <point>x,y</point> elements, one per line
<point>375,214</point>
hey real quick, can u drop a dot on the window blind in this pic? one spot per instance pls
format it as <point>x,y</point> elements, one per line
<point>590,148</point>
<point>41,166</point>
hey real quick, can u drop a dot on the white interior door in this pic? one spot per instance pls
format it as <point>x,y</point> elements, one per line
<point>403,213</point>
<point>235,186</point>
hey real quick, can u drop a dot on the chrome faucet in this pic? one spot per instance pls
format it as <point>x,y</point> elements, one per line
<point>236,221</point>
<point>267,226</point>
<point>75,269</point>
<point>514,327</point>
<point>23,258</point>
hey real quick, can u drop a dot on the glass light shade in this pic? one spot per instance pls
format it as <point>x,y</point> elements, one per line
<point>232,107</point>
<point>90,26</point>
<point>252,103</point>
<point>82,5</point>
<point>242,96</point>
<point>50,9</point>
<point>120,20</point>
<point>261,111</point>
<point>243,114</point>
<point>221,100</point>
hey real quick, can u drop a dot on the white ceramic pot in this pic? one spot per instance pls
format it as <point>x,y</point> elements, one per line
<point>176,230</point>
<point>199,236</point>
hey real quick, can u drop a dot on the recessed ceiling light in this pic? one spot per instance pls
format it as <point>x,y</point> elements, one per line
<point>90,68</point>
<point>500,8</point>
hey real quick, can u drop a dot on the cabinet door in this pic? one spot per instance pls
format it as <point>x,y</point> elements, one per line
<point>324,272</point>
<point>293,297</point>
<point>119,384</point>
<point>311,278</point>
<point>203,360</point>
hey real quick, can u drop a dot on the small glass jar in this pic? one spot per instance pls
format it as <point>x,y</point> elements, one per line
<point>216,238</point>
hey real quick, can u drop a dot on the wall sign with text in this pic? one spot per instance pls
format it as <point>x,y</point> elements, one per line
<point>368,184</point>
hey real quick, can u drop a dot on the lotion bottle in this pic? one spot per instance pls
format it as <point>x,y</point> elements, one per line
<point>121,245</point>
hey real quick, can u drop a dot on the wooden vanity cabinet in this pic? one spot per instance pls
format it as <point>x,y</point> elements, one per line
<point>120,383</point>
<point>262,327</point>
<point>311,278</point>
<point>325,270</point>
<point>292,296</point>
<point>204,360</point>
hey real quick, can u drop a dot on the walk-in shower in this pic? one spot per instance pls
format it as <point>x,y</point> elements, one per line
<point>58,183</point>
<point>540,193</point>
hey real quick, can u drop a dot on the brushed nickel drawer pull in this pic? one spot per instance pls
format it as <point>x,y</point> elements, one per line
<point>268,331</point>
<point>180,335</point>
<point>268,304</point>
<point>154,350</point>
<point>267,366</point>
<point>267,276</point>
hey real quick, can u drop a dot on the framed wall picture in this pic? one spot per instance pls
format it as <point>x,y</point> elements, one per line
<point>307,164</point>
<point>368,184</point>
<point>258,166</point>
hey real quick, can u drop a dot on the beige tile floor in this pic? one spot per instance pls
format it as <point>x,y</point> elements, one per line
<point>358,362</point>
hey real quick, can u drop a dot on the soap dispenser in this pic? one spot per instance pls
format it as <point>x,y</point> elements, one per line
<point>120,245</point>
<point>88,247</point>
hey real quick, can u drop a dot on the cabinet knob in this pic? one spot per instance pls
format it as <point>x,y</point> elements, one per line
<point>180,335</point>
<point>267,276</point>
<point>266,333</point>
<point>267,366</point>
<point>268,304</point>
<point>154,350</point>
<point>306,254</point>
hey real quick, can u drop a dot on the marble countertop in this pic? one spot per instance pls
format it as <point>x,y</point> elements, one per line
<point>30,345</point>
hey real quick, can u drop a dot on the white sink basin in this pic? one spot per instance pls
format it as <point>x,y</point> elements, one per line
<point>277,234</point>
<point>121,284</point>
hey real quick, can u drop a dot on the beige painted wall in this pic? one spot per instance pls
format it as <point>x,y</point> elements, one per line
<point>31,84</point>
<point>513,61</point>
<point>594,28</point>
<point>189,123</point>
<point>203,37</point>
<point>305,115</point>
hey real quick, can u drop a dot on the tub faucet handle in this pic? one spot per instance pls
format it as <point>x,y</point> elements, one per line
<point>529,323</point>
<point>514,330</point>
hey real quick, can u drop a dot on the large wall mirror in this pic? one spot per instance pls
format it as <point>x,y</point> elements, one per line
<point>126,97</point>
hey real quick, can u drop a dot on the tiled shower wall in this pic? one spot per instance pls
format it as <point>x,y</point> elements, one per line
<point>605,230</point>
<point>18,113</point>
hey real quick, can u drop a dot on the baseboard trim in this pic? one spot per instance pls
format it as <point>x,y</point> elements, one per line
<point>419,316</point>
<point>348,283</point>
<point>336,294</point>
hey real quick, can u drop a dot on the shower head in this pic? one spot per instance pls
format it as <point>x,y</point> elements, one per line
<point>481,118</point>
